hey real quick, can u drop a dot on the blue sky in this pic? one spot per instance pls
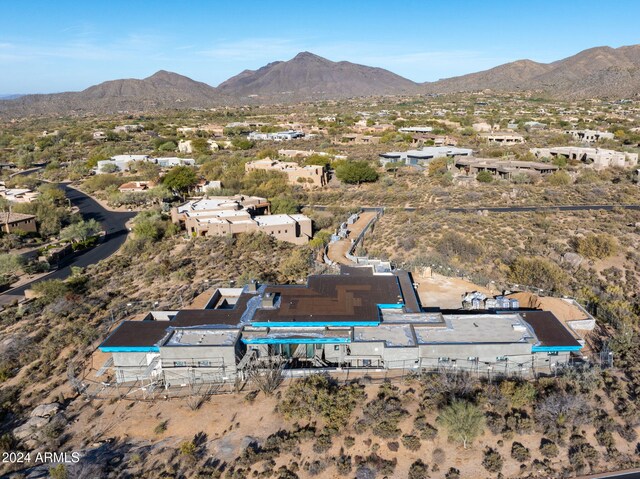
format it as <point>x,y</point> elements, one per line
<point>61,45</point>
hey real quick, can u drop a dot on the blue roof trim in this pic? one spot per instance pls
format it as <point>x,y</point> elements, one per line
<point>312,324</point>
<point>391,306</point>
<point>129,349</point>
<point>296,340</point>
<point>552,349</point>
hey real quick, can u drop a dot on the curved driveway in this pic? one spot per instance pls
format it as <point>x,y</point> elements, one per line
<point>113,223</point>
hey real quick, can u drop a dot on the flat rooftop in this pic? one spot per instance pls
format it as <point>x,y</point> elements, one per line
<point>392,335</point>
<point>202,337</point>
<point>477,328</point>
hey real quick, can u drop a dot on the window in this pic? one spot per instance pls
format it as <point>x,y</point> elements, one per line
<point>366,363</point>
<point>318,347</point>
<point>443,360</point>
<point>179,364</point>
<point>473,359</point>
<point>204,364</point>
<point>552,353</point>
<point>336,347</point>
<point>502,359</point>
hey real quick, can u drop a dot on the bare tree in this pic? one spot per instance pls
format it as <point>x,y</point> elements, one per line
<point>266,375</point>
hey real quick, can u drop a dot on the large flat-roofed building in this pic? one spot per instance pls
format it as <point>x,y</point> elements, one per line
<point>355,319</point>
<point>123,162</point>
<point>502,138</point>
<point>230,215</point>
<point>307,176</point>
<point>503,168</point>
<point>424,155</point>
<point>590,136</point>
<point>286,135</point>
<point>596,158</point>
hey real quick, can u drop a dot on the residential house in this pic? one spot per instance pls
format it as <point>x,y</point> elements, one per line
<point>307,176</point>
<point>502,168</point>
<point>358,319</point>
<point>286,135</point>
<point>17,223</point>
<point>590,136</point>
<point>596,158</point>
<point>224,215</point>
<point>423,156</point>
<point>502,138</point>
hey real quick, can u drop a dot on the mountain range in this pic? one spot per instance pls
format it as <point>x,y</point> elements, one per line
<point>597,72</point>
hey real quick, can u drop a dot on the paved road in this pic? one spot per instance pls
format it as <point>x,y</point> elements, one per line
<point>113,223</point>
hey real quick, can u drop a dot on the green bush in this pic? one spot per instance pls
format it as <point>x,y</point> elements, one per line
<point>418,470</point>
<point>519,452</point>
<point>484,177</point>
<point>320,395</point>
<point>548,448</point>
<point>356,172</point>
<point>492,460</point>
<point>594,246</point>
<point>411,442</point>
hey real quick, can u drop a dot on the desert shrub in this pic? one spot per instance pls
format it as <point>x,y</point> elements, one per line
<point>384,413</point>
<point>519,421</point>
<point>484,177</point>
<point>393,446</point>
<point>518,393</point>
<point>418,470</point>
<point>161,427</point>
<point>594,246</point>
<point>343,465</point>
<point>441,389</point>
<point>557,412</point>
<point>548,448</point>
<point>317,467</point>
<point>628,433</point>
<point>377,463</point>
<point>452,473</point>
<point>411,442</point>
<point>582,454</point>
<point>559,178</point>
<point>519,452</point>
<point>463,420</point>
<point>492,460</point>
<point>455,245</point>
<point>323,443</point>
<point>538,272</point>
<point>426,430</point>
<point>349,441</point>
<point>188,448</point>
<point>319,395</point>
<point>356,172</point>
<point>495,422</point>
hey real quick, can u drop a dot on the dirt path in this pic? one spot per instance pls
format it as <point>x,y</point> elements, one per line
<point>337,251</point>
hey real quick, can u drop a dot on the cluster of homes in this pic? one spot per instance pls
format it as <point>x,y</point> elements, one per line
<point>230,215</point>
<point>356,319</point>
<point>123,162</point>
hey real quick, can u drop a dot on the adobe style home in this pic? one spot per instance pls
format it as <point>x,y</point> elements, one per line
<point>17,223</point>
<point>231,215</point>
<point>357,319</point>
<point>306,176</point>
